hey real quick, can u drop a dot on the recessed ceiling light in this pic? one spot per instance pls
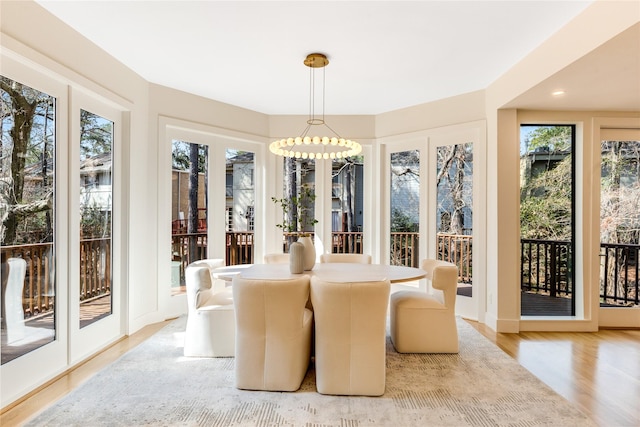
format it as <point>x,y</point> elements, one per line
<point>557,93</point>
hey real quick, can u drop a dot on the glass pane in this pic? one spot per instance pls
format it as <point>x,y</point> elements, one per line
<point>240,204</point>
<point>298,199</point>
<point>188,208</point>
<point>27,184</point>
<point>620,224</point>
<point>96,196</point>
<point>405,208</point>
<point>454,181</point>
<point>546,220</point>
<point>346,205</point>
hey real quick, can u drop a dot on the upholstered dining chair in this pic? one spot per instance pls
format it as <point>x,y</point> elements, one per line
<point>426,323</point>
<point>353,258</point>
<point>210,330</point>
<point>350,336</point>
<point>276,258</point>
<point>212,264</point>
<point>273,333</point>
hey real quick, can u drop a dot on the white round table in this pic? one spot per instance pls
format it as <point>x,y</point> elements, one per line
<point>331,272</point>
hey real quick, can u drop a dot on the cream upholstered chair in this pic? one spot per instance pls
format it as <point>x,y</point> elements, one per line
<point>425,323</point>
<point>273,333</point>
<point>212,264</point>
<point>276,258</point>
<point>350,336</point>
<point>210,330</point>
<point>353,258</point>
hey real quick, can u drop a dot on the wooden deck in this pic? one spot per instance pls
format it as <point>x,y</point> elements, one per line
<point>543,305</point>
<point>534,304</point>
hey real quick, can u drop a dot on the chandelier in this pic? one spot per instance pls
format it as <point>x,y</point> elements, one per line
<point>315,147</point>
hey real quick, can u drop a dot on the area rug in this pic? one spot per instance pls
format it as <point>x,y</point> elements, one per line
<point>154,385</point>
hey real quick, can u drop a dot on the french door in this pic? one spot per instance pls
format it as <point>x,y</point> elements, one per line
<point>456,210</point>
<point>436,205</point>
<point>61,152</point>
<point>209,206</point>
<point>619,243</point>
<point>96,294</point>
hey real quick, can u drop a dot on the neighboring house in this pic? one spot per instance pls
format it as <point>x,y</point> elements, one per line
<point>95,182</point>
<point>240,192</point>
<point>339,202</point>
<point>405,187</point>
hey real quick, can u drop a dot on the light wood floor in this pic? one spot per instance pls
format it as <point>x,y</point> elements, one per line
<point>598,372</point>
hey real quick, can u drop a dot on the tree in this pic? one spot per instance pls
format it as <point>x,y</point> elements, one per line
<point>551,139</point>
<point>545,204</point>
<point>29,115</point>
<point>619,209</point>
<point>347,169</point>
<point>546,187</point>
<point>451,179</point>
<point>620,192</point>
<point>405,184</point>
<point>298,201</point>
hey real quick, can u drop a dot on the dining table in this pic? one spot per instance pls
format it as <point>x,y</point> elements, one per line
<point>331,272</point>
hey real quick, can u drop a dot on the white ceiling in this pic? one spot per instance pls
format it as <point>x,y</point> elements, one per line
<point>384,55</point>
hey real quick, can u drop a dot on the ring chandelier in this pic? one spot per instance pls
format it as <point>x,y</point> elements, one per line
<point>315,147</point>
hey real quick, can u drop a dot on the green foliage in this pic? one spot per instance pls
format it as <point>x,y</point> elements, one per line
<point>545,204</point>
<point>94,223</point>
<point>550,138</point>
<point>401,222</point>
<point>180,156</point>
<point>297,212</point>
<point>96,135</point>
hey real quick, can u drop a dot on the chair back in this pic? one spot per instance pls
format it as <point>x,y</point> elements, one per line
<point>350,258</point>
<point>276,258</point>
<point>273,333</point>
<point>444,277</point>
<point>350,331</point>
<point>211,264</point>
<point>210,330</point>
<point>198,282</point>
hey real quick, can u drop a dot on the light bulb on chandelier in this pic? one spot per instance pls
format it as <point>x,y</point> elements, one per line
<point>315,147</point>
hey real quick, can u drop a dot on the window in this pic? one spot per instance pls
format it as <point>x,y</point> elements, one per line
<point>454,204</point>
<point>189,212</point>
<point>620,218</point>
<point>405,208</point>
<point>28,171</point>
<point>547,181</point>
<point>347,205</point>
<point>96,196</point>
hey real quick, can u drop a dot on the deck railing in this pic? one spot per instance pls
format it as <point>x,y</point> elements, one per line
<point>545,264</point>
<point>619,284</point>
<point>95,268</point>
<point>239,247</point>
<point>457,249</point>
<point>346,242</point>
<point>39,287</point>
<point>38,291</point>
<point>404,249</point>
<point>545,267</point>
